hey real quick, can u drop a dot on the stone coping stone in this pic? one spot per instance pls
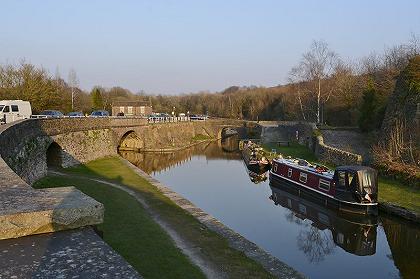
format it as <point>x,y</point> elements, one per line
<point>25,211</point>
<point>79,253</point>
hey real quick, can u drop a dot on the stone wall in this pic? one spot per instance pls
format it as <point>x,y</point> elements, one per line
<point>307,134</point>
<point>85,146</point>
<point>24,146</point>
<point>350,140</point>
<point>288,131</point>
<point>334,155</point>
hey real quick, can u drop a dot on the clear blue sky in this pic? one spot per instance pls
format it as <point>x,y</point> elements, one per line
<point>175,46</point>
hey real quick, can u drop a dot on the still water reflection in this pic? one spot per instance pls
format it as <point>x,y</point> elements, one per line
<point>318,242</point>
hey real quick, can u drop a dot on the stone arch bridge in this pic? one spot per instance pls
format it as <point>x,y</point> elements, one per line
<point>27,147</point>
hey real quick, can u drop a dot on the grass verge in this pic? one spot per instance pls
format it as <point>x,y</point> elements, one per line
<point>151,253</point>
<point>390,190</point>
<point>294,150</point>
<point>131,231</point>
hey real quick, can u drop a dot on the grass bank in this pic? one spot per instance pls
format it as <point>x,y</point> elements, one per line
<point>390,190</point>
<point>130,230</point>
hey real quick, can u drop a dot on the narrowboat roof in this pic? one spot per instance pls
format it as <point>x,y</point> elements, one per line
<point>306,166</point>
<point>354,168</point>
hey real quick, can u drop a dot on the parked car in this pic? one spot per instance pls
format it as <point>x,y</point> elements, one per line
<point>51,113</point>
<point>99,113</point>
<point>13,110</point>
<point>75,114</point>
<point>164,114</point>
<point>198,117</point>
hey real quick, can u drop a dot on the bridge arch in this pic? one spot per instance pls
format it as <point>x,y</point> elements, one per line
<point>130,141</point>
<point>226,132</point>
<point>54,155</point>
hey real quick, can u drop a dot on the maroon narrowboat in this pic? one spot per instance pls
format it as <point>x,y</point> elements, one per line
<point>348,188</point>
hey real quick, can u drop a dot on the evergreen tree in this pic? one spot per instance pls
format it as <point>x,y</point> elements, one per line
<point>97,102</point>
<point>369,109</point>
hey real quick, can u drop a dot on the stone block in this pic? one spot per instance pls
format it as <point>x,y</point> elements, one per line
<point>26,211</point>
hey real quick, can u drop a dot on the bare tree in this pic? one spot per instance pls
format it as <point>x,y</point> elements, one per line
<point>73,82</point>
<point>294,78</point>
<point>315,67</point>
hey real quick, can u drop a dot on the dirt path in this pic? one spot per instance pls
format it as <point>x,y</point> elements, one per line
<point>191,251</point>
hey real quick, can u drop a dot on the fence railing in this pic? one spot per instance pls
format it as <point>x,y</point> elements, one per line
<point>151,119</point>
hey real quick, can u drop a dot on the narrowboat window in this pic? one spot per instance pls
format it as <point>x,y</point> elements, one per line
<point>6,109</point>
<point>1,107</point>
<point>366,179</point>
<point>289,173</point>
<point>324,185</point>
<point>275,168</point>
<point>15,108</point>
<point>303,177</point>
<point>350,176</point>
<point>289,203</point>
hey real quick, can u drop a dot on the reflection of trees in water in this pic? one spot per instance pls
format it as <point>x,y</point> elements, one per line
<point>151,162</point>
<point>404,242</point>
<point>315,243</point>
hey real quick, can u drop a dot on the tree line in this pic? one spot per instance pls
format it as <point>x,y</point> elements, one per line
<point>322,88</point>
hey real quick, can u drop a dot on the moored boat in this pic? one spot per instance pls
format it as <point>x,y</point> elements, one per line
<point>254,158</point>
<point>348,188</point>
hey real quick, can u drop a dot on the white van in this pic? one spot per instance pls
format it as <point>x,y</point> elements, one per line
<point>13,110</point>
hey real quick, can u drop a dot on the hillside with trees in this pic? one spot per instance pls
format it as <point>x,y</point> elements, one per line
<point>398,150</point>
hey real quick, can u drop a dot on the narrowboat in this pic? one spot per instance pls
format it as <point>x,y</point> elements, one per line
<point>254,158</point>
<point>349,188</point>
<point>354,233</point>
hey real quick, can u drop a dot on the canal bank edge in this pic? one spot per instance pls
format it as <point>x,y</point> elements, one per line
<point>399,211</point>
<point>235,240</point>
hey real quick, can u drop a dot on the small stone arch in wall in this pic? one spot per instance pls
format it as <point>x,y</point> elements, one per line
<point>54,155</point>
<point>130,141</point>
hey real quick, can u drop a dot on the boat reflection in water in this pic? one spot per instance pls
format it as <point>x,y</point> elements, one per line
<point>354,233</point>
<point>255,177</point>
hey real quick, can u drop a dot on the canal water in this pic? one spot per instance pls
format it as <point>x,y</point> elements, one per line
<point>316,241</point>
